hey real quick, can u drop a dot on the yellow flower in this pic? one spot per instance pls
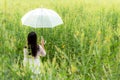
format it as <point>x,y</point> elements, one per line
<point>107,39</point>
<point>77,33</point>
<point>73,69</point>
<point>99,33</point>
<point>63,46</point>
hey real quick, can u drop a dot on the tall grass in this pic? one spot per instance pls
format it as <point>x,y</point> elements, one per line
<point>85,47</point>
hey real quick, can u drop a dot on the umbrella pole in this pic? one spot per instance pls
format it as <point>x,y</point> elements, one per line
<point>42,32</point>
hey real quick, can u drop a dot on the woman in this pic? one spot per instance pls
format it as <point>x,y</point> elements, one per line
<point>32,53</point>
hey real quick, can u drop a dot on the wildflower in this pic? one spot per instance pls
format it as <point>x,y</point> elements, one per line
<point>107,39</point>
<point>63,46</point>
<point>77,33</point>
<point>73,69</point>
<point>99,32</point>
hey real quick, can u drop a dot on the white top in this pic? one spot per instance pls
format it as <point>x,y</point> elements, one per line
<point>33,63</point>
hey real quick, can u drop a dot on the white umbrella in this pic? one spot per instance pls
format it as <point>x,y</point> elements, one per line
<point>41,18</point>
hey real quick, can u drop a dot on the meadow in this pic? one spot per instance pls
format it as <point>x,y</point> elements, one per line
<point>85,47</point>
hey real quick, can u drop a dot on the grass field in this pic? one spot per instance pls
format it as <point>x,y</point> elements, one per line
<point>85,47</point>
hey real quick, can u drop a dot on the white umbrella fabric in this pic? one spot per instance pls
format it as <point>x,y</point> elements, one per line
<point>41,18</point>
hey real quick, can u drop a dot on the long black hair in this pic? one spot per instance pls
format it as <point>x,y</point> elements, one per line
<point>32,44</point>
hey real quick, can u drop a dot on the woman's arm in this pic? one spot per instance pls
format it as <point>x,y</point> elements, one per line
<point>42,48</point>
<point>42,43</point>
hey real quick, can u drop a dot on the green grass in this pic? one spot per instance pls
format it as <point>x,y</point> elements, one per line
<point>85,47</point>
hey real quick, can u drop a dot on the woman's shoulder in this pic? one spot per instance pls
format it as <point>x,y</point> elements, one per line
<point>39,45</point>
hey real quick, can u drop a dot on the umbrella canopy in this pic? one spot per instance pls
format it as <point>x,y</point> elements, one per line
<point>41,18</point>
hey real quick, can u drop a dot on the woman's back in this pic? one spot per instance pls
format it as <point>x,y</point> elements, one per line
<point>33,63</point>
